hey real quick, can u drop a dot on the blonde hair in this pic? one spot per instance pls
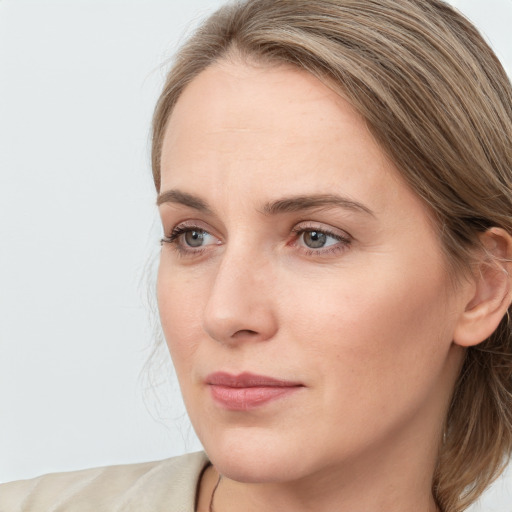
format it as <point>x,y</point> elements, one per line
<point>440,104</point>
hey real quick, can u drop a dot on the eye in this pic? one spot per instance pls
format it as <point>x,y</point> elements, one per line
<point>320,240</point>
<point>190,238</point>
<point>317,239</point>
<point>195,237</point>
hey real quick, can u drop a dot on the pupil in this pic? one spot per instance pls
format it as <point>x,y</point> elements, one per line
<point>194,238</point>
<point>314,239</point>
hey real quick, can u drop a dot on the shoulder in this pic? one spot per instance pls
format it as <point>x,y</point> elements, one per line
<point>168,485</point>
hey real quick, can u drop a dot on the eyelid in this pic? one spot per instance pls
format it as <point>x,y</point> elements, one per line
<point>323,228</point>
<point>190,224</point>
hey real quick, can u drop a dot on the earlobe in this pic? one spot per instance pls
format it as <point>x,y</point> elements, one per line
<point>491,293</point>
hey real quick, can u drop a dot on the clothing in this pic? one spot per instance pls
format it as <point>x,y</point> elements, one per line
<point>164,486</point>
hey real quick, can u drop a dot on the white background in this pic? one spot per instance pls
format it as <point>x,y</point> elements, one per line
<point>79,233</point>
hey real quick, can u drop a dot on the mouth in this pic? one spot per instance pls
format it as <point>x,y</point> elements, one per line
<point>248,391</point>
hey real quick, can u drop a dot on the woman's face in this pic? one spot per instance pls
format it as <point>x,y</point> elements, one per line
<point>302,288</point>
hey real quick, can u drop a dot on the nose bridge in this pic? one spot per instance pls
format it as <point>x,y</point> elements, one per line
<point>240,304</point>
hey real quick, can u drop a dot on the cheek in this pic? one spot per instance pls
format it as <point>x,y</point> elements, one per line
<point>376,333</point>
<point>178,305</point>
<point>377,360</point>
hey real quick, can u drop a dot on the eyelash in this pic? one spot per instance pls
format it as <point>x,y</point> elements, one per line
<point>177,231</point>
<point>344,241</point>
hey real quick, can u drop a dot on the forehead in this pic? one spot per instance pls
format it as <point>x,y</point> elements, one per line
<point>246,90</point>
<point>258,99</point>
<point>272,128</point>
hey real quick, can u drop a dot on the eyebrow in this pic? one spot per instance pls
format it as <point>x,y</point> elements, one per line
<point>298,203</point>
<point>284,205</point>
<point>178,197</point>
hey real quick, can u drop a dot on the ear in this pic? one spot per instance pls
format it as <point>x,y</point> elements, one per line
<point>491,290</point>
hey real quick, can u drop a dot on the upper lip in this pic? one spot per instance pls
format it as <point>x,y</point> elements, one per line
<point>247,380</point>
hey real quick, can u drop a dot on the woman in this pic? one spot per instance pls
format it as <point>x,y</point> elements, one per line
<point>334,182</point>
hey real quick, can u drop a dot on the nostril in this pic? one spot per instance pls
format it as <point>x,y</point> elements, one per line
<point>244,332</point>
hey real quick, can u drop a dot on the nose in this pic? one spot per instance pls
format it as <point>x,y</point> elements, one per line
<point>240,305</point>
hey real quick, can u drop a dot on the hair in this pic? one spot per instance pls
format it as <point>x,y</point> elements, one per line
<point>439,103</point>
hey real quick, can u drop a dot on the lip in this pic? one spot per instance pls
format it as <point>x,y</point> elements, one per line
<point>247,391</point>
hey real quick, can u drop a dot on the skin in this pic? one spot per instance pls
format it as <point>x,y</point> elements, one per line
<point>366,324</point>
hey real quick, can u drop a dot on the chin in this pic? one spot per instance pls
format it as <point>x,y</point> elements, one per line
<point>255,457</point>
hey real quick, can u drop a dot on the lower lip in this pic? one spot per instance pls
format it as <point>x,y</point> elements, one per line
<point>244,399</point>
